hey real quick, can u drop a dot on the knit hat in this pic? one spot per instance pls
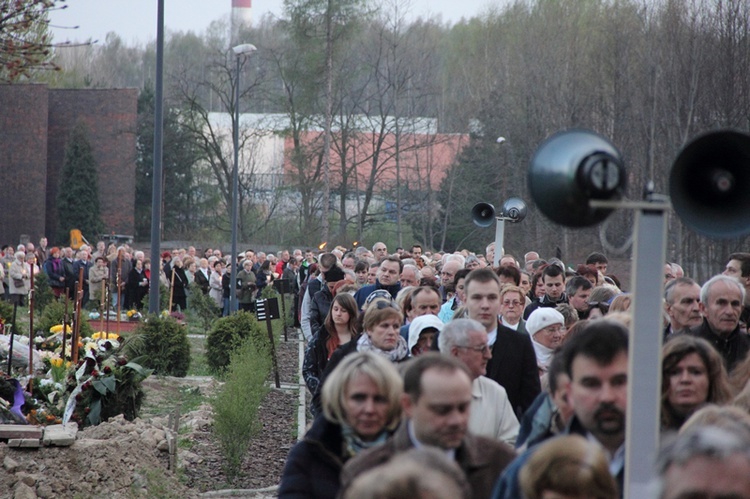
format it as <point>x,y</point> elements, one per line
<point>421,323</point>
<point>334,274</point>
<point>543,317</point>
<point>378,293</point>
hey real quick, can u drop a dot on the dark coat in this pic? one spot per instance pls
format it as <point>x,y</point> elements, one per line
<point>508,486</point>
<point>202,281</point>
<point>54,269</point>
<point>341,352</point>
<point>179,283</point>
<point>319,307</point>
<point>135,289</point>
<point>316,359</point>
<point>314,463</point>
<point>733,348</point>
<point>361,295</point>
<point>482,459</point>
<point>513,366</point>
<point>541,303</point>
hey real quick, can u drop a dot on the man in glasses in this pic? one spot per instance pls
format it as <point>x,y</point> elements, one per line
<point>513,363</point>
<point>491,414</point>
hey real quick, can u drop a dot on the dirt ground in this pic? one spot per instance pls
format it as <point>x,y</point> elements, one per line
<point>130,459</point>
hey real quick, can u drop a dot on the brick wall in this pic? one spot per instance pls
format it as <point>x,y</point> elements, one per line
<point>110,116</point>
<point>23,161</point>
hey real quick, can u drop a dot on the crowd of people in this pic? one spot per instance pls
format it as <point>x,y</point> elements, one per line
<point>441,375</point>
<point>515,374</point>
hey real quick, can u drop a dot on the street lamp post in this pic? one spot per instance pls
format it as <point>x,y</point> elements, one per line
<point>240,52</point>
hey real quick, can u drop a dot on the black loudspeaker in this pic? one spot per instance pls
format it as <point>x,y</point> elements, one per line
<point>710,184</point>
<point>514,210</point>
<point>571,168</point>
<point>483,214</point>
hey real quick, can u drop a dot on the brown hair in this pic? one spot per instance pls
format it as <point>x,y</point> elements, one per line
<point>379,311</point>
<point>568,465</point>
<point>676,349</point>
<point>347,302</point>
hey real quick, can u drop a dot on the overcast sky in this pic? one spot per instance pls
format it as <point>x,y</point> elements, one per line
<point>135,20</point>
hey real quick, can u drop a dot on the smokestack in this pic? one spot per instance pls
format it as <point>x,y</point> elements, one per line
<point>241,14</point>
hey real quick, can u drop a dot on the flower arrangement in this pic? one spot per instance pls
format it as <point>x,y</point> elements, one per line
<point>103,384</point>
<point>133,315</point>
<point>104,335</point>
<point>58,369</point>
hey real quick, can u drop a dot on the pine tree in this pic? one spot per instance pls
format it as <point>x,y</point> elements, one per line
<point>78,193</point>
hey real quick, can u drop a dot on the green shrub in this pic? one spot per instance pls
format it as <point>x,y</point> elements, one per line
<point>236,404</point>
<point>163,299</point>
<point>202,306</point>
<point>160,344</point>
<point>229,333</point>
<point>6,312</point>
<point>53,315</point>
<point>43,294</point>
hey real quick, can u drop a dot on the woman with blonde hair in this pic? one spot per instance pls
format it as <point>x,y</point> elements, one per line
<point>565,468</point>
<point>693,375</point>
<point>361,408</point>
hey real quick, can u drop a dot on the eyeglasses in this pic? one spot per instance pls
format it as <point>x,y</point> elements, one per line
<point>553,330</point>
<point>479,348</point>
<point>514,303</point>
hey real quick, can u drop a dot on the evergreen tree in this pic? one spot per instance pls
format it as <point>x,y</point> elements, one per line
<point>78,193</point>
<point>180,195</point>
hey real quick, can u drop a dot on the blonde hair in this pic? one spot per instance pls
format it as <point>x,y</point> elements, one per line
<point>380,371</point>
<point>568,465</point>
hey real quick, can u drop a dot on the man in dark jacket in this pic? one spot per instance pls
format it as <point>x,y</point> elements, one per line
<point>596,361</point>
<point>436,401</point>
<point>513,364</point>
<point>553,278</point>
<point>389,271</point>
<point>721,304</point>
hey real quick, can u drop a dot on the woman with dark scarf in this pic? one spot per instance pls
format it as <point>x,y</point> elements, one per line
<point>361,408</point>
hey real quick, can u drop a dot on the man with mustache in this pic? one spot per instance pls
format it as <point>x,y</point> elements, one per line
<point>596,360</point>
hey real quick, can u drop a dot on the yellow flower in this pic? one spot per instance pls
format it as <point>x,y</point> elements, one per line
<point>100,335</point>
<point>58,329</point>
<point>56,362</point>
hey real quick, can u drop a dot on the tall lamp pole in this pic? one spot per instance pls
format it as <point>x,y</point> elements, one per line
<point>240,52</point>
<point>156,187</point>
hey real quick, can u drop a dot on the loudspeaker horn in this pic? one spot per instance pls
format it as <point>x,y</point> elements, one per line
<point>571,168</point>
<point>483,214</point>
<point>709,185</point>
<point>514,210</point>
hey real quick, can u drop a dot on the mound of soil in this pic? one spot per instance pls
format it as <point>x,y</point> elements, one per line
<point>119,458</point>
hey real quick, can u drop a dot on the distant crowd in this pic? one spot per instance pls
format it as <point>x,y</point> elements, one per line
<point>441,375</point>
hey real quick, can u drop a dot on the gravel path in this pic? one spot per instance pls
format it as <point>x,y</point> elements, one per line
<point>268,450</point>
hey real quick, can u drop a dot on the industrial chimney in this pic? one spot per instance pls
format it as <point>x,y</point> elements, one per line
<point>241,14</point>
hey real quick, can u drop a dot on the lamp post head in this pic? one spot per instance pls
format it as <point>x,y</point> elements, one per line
<point>244,49</point>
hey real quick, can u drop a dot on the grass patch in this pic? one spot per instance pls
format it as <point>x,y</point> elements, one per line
<point>198,362</point>
<point>156,484</point>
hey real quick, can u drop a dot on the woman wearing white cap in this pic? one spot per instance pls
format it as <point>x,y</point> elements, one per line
<point>547,328</point>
